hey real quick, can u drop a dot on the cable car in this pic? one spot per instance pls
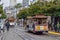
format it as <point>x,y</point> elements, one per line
<point>37,24</point>
<point>11,21</point>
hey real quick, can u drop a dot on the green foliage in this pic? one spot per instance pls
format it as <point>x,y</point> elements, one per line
<point>18,5</point>
<point>46,8</point>
<point>2,12</point>
<point>58,25</point>
<point>1,9</point>
<point>22,14</point>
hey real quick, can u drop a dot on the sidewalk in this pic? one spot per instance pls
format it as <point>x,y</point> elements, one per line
<point>55,33</point>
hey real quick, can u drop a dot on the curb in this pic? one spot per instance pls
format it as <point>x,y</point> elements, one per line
<point>55,33</point>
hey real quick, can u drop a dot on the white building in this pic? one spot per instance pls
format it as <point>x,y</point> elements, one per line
<point>13,2</point>
<point>32,1</point>
<point>5,3</point>
<point>0,2</point>
<point>10,12</point>
<point>25,3</point>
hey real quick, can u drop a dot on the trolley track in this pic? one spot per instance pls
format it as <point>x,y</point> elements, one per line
<point>33,36</point>
<point>24,36</point>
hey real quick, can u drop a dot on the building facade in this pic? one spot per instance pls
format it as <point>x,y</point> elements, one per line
<point>0,2</point>
<point>32,1</point>
<point>10,12</point>
<point>25,3</point>
<point>13,2</point>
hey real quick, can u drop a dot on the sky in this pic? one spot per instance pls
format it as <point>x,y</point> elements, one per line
<point>7,2</point>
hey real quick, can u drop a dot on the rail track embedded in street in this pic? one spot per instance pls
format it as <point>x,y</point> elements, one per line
<point>24,36</point>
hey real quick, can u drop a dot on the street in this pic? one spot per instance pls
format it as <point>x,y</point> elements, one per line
<point>17,17</point>
<point>18,33</point>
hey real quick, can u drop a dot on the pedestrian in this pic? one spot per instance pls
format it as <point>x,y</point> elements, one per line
<point>58,27</point>
<point>7,25</point>
<point>55,28</point>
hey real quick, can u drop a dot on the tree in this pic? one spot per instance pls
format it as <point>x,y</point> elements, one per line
<point>18,5</point>
<point>22,14</point>
<point>46,8</point>
<point>2,12</point>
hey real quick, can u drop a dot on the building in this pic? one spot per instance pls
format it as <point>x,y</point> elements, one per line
<point>13,2</point>
<point>25,3</point>
<point>10,12</point>
<point>32,1</point>
<point>0,2</point>
<point>5,3</point>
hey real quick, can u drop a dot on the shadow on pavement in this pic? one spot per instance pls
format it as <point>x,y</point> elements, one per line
<point>38,33</point>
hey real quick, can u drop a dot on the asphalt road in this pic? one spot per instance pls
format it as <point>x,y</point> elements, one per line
<point>18,33</point>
